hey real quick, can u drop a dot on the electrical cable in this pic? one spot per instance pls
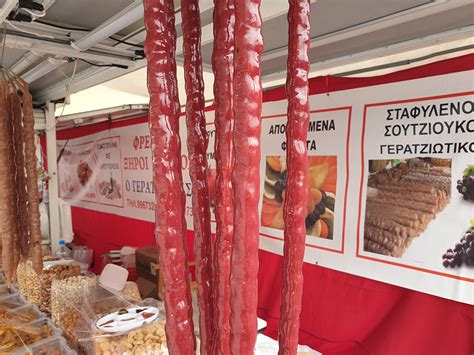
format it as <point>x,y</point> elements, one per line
<point>34,14</point>
<point>104,65</point>
<point>87,30</point>
<point>4,38</point>
<point>26,31</point>
<point>68,89</point>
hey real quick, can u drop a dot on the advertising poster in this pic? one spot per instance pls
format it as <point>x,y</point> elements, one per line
<point>390,171</point>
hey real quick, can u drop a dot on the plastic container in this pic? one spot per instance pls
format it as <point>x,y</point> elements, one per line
<point>12,302</point>
<point>27,314</point>
<point>64,252</point>
<point>6,291</point>
<point>113,277</point>
<point>83,254</point>
<point>18,336</point>
<point>55,345</point>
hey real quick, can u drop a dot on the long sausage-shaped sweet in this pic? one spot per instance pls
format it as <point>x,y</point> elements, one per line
<point>223,68</point>
<point>197,143</point>
<point>15,133</point>
<point>246,174</point>
<point>21,178</point>
<point>6,188</point>
<point>297,164</point>
<point>169,212</point>
<point>32,181</point>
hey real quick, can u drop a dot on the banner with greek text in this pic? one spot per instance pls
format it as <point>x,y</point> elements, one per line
<point>391,180</point>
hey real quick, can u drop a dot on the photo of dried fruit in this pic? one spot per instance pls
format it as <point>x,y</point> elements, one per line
<point>84,172</point>
<point>110,189</point>
<point>322,179</point>
<point>403,197</point>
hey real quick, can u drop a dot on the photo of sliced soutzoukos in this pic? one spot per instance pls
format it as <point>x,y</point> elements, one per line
<point>403,197</point>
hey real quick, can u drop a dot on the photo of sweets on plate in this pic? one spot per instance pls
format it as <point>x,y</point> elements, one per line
<point>403,197</point>
<point>110,189</point>
<point>322,179</point>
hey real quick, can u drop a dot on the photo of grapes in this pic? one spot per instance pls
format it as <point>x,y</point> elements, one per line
<point>322,180</point>
<point>403,197</point>
<point>465,185</point>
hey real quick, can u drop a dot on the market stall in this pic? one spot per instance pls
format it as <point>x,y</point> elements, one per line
<point>298,208</point>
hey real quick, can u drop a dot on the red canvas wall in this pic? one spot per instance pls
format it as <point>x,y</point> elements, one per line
<point>342,313</point>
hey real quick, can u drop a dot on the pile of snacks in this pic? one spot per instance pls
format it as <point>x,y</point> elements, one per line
<point>131,292</point>
<point>16,335</point>
<point>24,329</point>
<point>67,296</point>
<point>37,289</point>
<point>25,314</point>
<point>77,302</point>
<point>29,283</point>
<point>149,339</point>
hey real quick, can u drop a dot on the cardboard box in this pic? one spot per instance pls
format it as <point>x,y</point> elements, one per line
<point>147,288</point>
<point>146,261</point>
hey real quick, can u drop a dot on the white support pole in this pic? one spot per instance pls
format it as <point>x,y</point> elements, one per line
<point>53,191</point>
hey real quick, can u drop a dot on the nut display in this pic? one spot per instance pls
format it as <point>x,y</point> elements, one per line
<point>67,296</point>
<point>131,292</point>
<point>57,272</point>
<point>37,289</point>
<point>149,339</point>
<point>29,283</point>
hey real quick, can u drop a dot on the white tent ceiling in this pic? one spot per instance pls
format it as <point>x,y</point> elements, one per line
<point>346,35</point>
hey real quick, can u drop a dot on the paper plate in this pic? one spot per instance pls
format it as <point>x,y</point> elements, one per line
<point>134,318</point>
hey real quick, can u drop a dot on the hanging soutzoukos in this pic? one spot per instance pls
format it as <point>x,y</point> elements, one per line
<point>7,188</point>
<point>296,195</point>
<point>246,175</point>
<point>32,182</point>
<point>23,239</point>
<point>19,200</point>
<point>197,142</point>
<point>223,68</point>
<point>170,226</point>
<point>14,198</point>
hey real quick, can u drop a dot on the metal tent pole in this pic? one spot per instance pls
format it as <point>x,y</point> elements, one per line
<point>53,191</point>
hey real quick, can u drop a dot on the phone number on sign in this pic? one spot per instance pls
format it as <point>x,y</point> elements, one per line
<point>143,205</point>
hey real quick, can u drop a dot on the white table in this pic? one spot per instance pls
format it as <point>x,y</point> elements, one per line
<point>268,346</point>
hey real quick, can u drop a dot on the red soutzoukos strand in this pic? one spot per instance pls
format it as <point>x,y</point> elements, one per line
<point>223,68</point>
<point>166,151</point>
<point>296,196</point>
<point>246,175</point>
<point>197,142</point>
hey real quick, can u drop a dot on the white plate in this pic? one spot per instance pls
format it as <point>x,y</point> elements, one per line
<point>115,322</point>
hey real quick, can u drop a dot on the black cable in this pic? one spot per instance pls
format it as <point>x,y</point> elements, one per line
<point>104,65</point>
<point>61,152</point>
<point>62,27</point>
<point>86,30</point>
<point>127,43</point>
